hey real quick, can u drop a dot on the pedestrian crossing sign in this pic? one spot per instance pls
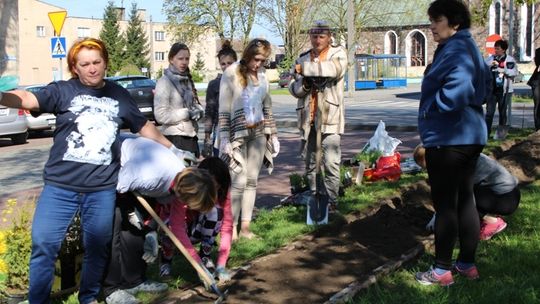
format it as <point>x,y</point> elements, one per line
<point>58,47</point>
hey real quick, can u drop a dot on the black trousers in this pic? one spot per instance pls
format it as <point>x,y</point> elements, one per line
<point>536,99</point>
<point>490,202</point>
<point>499,101</point>
<point>185,143</point>
<point>126,268</point>
<point>450,170</point>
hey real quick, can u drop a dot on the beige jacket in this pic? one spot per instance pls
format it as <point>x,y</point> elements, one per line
<point>232,121</point>
<point>332,97</point>
<point>169,110</point>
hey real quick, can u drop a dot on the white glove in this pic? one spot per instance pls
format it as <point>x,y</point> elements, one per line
<point>150,247</point>
<point>186,157</point>
<point>222,274</point>
<point>207,285</point>
<point>431,225</point>
<point>196,114</point>
<point>135,219</point>
<point>275,145</point>
<point>225,146</point>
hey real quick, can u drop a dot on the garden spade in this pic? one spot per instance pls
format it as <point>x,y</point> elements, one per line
<point>318,205</point>
<point>203,273</point>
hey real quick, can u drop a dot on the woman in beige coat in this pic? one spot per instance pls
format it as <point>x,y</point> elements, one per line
<point>247,130</point>
<point>176,105</point>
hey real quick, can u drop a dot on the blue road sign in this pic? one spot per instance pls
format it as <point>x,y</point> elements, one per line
<point>58,47</point>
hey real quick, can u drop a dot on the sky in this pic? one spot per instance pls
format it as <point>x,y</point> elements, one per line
<point>95,8</point>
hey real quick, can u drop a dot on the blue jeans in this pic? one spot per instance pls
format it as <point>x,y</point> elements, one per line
<point>55,210</point>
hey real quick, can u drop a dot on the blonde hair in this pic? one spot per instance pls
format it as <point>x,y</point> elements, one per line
<point>196,188</point>
<point>255,47</point>
<point>87,43</point>
<point>419,155</point>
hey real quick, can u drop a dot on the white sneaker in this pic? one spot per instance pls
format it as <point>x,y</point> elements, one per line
<point>121,297</point>
<point>148,286</point>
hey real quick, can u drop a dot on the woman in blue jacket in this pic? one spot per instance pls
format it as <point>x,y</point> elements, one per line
<point>453,131</point>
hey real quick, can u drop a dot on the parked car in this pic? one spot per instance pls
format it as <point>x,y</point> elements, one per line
<point>39,121</point>
<point>284,79</point>
<point>141,89</point>
<point>13,125</point>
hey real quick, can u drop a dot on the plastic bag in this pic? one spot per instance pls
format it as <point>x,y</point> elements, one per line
<point>388,165</point>
<point>380,141</point>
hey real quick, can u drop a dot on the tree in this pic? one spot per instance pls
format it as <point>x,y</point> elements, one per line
<point>230,19</point>
<point>246,17</point>
<point>111,36</point>
<point>136,50</point>
<point>289,19</point>
<point>189,19</point>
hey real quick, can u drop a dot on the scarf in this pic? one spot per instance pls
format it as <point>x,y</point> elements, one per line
<point>182,83</point>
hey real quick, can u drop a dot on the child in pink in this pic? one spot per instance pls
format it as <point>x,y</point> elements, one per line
<point>191,227</point>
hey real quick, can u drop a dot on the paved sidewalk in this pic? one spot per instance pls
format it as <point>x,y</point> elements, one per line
<point>21,168</point>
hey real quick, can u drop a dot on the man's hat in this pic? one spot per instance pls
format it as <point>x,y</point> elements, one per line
<point>320,27</point>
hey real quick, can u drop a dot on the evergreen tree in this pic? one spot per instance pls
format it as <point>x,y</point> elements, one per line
<point>112,37</point>
<point>137,49</point>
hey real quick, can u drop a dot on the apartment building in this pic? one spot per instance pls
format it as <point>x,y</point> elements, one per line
<point>26,32</point>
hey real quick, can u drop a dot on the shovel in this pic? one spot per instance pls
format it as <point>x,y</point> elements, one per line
<point>204,274</point>
<point>318,205</point>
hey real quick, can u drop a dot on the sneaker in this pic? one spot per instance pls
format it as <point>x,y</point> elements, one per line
<point>470,273</point>
<point>148,286</point>
<point>431,277</point>
<point>488,230</point>
<point>121,297</point>
<point>165,271</point>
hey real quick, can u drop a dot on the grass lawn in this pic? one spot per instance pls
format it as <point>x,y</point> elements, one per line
<point>508,263</point>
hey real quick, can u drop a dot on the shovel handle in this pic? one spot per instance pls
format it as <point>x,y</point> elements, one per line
<point>175,240</point>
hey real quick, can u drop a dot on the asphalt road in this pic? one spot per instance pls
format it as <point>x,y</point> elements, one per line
<point>21,166</point>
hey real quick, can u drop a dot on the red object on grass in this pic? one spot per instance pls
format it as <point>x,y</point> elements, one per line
<point>387,168</point>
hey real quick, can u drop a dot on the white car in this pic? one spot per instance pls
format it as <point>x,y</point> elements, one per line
<point>13,125</point>
<point>36,121</point>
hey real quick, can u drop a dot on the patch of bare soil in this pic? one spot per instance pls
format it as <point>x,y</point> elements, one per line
<point>355,248</point>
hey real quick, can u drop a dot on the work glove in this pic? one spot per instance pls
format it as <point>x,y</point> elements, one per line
<point>225,146</point>
<point>222,274</point>
<point>307,83</point>
<point>208,148</point>
<point>275,145</point>
<point>196,114</point>
<point>135,219</point>
<point>207,286</point>
<point>431,225</point>
<point>150,247</point>
<point>186,157</point>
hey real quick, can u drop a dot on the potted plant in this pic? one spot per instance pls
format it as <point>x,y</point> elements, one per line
<point>16,245</point>
<point>298,183</point>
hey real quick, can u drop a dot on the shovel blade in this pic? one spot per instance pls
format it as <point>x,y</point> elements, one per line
<point>318,210</point>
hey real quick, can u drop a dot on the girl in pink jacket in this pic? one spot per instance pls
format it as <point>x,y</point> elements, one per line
<point>192,227</point>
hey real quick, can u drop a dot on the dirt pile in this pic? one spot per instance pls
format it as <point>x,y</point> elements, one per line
<point>358,247</point>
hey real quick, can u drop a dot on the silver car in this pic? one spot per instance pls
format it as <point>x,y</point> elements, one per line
<point>36,121</point>
<point>13,125</point>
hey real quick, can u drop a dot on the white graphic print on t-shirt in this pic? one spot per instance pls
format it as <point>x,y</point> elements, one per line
<point>97,130</point>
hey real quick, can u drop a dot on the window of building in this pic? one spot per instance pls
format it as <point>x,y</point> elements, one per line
<point>498,18</point>
<point>40,31</point>
<point>83,32</point>
<point>390,43</point>
<point>418,50</point>
<point>529,31</point>
<point>159,56</point>
<point>159,35</point>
